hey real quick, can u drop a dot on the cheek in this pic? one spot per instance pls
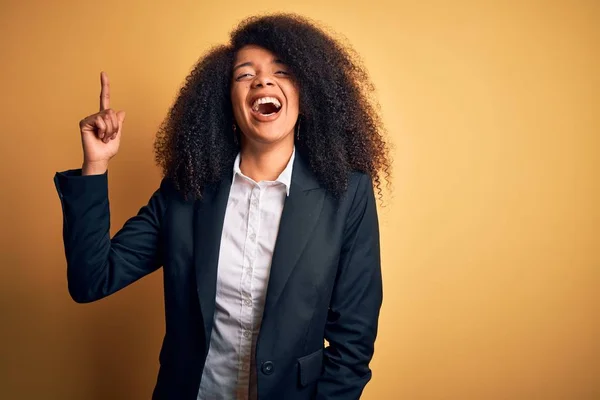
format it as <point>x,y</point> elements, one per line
<point>235,101</point>
<point>238,97</point>
<point>294,106</point>
<point>294,100</point>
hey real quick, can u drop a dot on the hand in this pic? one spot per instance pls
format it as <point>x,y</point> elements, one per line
<point>101,133</point>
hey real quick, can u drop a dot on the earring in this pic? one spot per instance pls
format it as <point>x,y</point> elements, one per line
<point>298,130</point>
<point>235,138</point>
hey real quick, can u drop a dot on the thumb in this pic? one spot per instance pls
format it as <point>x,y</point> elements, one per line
<point>121,116</point>
<point>120,119</point>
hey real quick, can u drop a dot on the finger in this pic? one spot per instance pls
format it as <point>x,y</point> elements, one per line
<point>101,126</point>
<point>104,91</point>
<point>89,120</point>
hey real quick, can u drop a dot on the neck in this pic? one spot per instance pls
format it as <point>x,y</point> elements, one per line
<point>265,164</point>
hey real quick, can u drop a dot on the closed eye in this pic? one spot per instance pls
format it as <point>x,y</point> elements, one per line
<point>242,76</point>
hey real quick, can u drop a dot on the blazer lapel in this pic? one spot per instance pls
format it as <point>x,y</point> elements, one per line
<point>301,211</point>
<point>208,226</point>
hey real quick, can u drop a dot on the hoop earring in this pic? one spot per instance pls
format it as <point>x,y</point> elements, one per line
<point>235,138</point>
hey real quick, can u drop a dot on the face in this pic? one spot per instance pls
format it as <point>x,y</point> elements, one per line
<point>264,97</point>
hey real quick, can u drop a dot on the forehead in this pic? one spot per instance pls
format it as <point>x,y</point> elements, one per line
<point>254,53</point>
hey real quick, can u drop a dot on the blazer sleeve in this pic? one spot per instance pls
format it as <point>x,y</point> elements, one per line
<point>97,265</point>
<point>351,326</point>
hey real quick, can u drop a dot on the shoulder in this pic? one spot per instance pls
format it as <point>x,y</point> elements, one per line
<point>360,186</point>
<point>170,192</point>
<point>361,205</point>
<point>358,190</point>
<point>359,198</point>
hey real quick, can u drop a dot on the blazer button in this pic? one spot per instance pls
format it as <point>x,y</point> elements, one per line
<point>268,367</point>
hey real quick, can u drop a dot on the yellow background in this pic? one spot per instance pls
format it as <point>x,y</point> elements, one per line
<point>490,243</point>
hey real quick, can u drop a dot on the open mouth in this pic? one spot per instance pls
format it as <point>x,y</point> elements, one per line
<point>266,106</point>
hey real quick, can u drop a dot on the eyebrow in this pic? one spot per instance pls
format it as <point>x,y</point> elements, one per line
<point>250,63</point>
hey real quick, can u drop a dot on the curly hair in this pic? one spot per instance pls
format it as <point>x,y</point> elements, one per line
<point>340,130</point>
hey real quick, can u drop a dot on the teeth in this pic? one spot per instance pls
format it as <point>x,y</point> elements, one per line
<point>265,100</point>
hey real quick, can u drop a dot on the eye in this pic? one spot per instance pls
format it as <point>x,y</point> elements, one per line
<point>282,73</point>
<point>242,76</point>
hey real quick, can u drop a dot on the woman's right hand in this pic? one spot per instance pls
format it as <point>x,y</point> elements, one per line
<point>101,133</point>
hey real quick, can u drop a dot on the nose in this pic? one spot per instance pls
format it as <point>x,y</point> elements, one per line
<point>262,80</point>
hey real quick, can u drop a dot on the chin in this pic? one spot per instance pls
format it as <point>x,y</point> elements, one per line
<point>265,138</point>
<point>268,133</point>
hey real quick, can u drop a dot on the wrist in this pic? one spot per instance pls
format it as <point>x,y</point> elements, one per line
<point>94,168</point>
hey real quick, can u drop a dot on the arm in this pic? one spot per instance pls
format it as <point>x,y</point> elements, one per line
<point>97,265</point>
<point>354,310</point>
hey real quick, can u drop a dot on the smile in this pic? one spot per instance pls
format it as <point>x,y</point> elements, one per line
<point>265,108</point>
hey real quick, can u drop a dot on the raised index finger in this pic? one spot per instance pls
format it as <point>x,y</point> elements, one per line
<point>104,92</point>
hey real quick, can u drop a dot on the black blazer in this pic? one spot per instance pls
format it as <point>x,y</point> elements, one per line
<point>325,280</point>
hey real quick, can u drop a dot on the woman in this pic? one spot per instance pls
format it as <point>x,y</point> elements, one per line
<point>265,222</point>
